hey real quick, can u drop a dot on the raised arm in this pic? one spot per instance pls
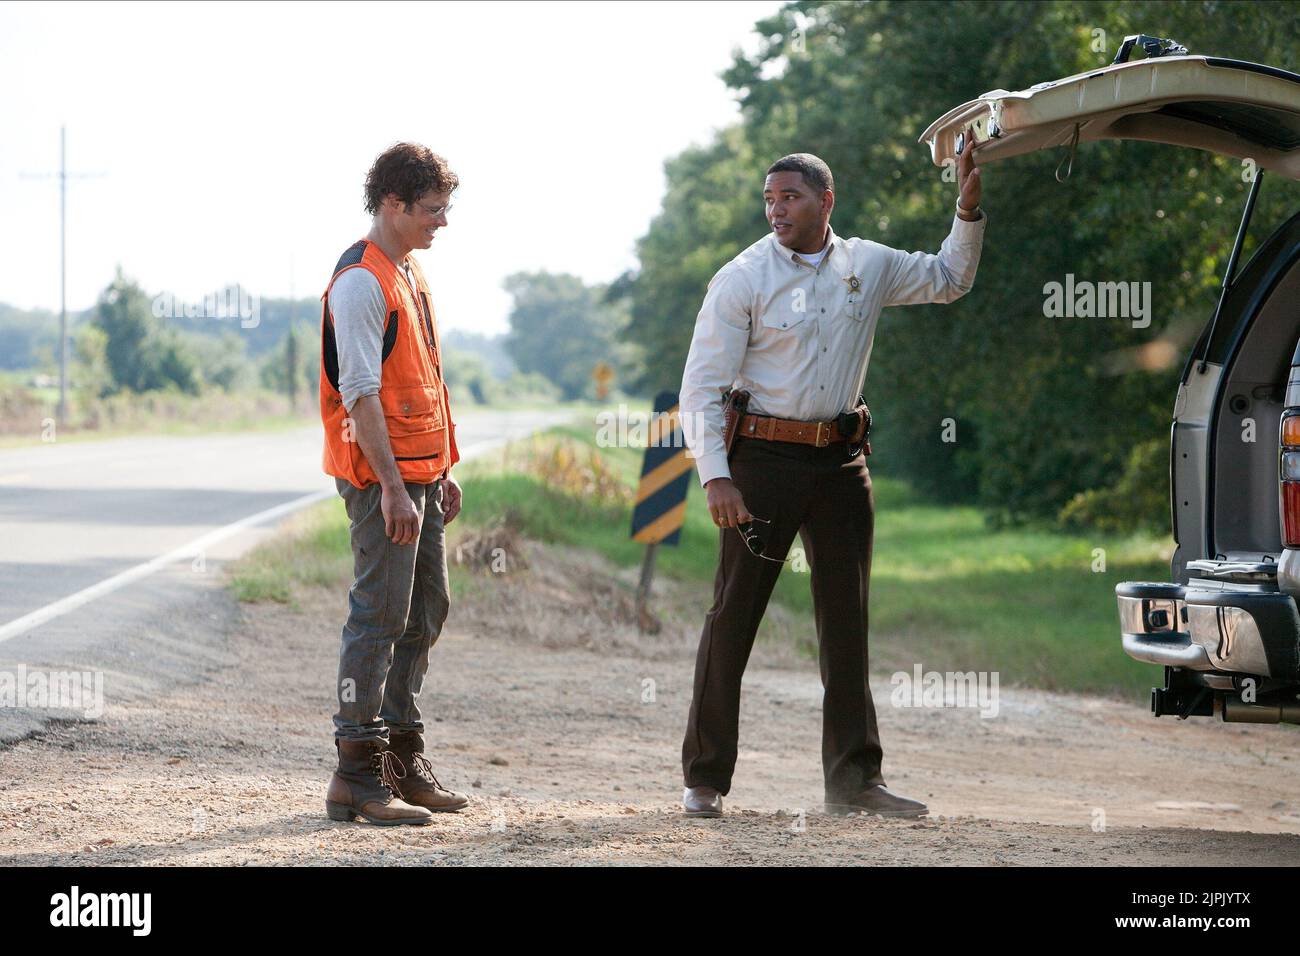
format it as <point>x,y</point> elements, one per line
<point>919,277</point>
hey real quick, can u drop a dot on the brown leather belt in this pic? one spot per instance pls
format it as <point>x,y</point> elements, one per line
<point>819,434</point>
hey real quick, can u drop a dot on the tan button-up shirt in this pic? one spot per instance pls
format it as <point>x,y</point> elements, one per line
<point>798,338</point>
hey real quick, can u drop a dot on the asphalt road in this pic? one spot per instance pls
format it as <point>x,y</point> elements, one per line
<point>101,541</point>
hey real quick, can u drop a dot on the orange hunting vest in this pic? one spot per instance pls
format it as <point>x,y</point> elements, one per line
<point>411,388</point>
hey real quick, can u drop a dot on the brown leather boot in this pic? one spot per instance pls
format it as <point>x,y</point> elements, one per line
<point>419,786</point>
<point>366,785</point>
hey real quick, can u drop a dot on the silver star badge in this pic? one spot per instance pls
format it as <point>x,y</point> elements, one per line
<point>854,283</point>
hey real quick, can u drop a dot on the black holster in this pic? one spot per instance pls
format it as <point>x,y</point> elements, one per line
<point>735,403</point>
<point>850,422</point>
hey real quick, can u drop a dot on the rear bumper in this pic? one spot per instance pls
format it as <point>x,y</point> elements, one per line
<point>1210,628</point>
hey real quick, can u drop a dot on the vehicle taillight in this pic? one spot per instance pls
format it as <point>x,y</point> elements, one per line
<point>1289,476</point>
<point>1291,429</point>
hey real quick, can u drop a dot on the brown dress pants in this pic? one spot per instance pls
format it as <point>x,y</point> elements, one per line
<point>825,497</point>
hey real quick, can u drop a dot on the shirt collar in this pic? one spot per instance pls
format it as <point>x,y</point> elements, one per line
<point>794,259</point>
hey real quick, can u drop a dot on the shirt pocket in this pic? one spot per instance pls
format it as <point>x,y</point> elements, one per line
<point>784,319</point>
<point>855,308</point>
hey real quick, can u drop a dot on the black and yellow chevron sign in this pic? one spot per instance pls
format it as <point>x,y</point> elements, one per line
<point>665,476</point>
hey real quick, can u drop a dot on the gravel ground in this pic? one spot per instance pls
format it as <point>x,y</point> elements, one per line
<point>564,725</point>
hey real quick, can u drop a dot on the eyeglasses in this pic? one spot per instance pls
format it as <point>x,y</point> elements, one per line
<point>756,538</point>
<point>434,211</point>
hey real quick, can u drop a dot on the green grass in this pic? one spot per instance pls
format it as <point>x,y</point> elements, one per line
<point>947,592</point>
<point>313,548</point>
<point>1026,603</point>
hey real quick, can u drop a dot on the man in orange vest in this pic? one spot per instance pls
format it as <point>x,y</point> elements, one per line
<point>390,445</point>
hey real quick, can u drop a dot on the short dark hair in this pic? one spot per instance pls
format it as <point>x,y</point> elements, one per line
<point>407,170</point>
<point>815,172</point>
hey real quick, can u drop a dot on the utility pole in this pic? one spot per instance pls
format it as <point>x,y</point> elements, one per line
<point>63,276</point>
<point>62,175</point>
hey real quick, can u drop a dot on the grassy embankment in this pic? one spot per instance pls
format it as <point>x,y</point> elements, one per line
<point>946,591</point>
<point>25,409</point>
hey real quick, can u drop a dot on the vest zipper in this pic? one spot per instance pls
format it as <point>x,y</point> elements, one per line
<point>428,332</point>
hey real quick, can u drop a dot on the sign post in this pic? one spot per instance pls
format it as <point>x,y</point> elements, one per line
<point>602,375</point>
<point>660,498</point>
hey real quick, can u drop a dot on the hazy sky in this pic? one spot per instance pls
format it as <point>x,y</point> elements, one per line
<point>230,142</point>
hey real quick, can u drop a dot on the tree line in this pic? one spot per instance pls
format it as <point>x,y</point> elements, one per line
<point>987,400</point>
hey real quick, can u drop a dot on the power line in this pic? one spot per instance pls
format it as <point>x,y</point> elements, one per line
<point>63,176</point>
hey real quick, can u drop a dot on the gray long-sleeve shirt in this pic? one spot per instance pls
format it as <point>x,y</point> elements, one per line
<point>357,304</point>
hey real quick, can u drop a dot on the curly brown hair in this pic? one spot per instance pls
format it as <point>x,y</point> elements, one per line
<point>407,170</point>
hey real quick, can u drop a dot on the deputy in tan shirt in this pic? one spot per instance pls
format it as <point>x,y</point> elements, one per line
<point>791,321</point>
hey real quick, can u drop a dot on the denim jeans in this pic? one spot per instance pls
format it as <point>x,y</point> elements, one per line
<point>397,606</point>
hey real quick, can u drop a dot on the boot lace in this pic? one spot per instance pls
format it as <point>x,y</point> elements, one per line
<point>389,770</point>
<point>421,767</point>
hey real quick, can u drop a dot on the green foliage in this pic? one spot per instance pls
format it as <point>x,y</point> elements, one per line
<point>530,386</point>
<point>274,369</point>
<point>90,371</point>
<point>223,362</point>
<point>260,337</point>
<point>562,328</point>
<point>710,212</point>
<point>141,353</point>
<point>490,349</point>
<point>1043,408</point>
<point>30,338</point>
<point>1139,500</point>
<point>571,468</point>
<point>467,373</point>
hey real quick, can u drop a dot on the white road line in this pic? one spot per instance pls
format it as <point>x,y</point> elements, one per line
<point>62,606</point>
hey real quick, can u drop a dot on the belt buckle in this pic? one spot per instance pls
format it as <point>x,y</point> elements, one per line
<point>820,441</point>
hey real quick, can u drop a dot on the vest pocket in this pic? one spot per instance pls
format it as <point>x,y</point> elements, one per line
<point>413,414</point>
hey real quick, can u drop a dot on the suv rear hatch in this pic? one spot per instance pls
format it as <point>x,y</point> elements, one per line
<point>1227,627</point>
<point>1231,107</point>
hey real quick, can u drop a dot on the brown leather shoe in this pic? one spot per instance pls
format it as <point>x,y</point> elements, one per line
<point>365,785</point>
<point>877,801</point>
<point>418,785</point>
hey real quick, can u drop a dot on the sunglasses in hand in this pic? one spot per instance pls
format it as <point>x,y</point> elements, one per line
<point>755,538</point>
